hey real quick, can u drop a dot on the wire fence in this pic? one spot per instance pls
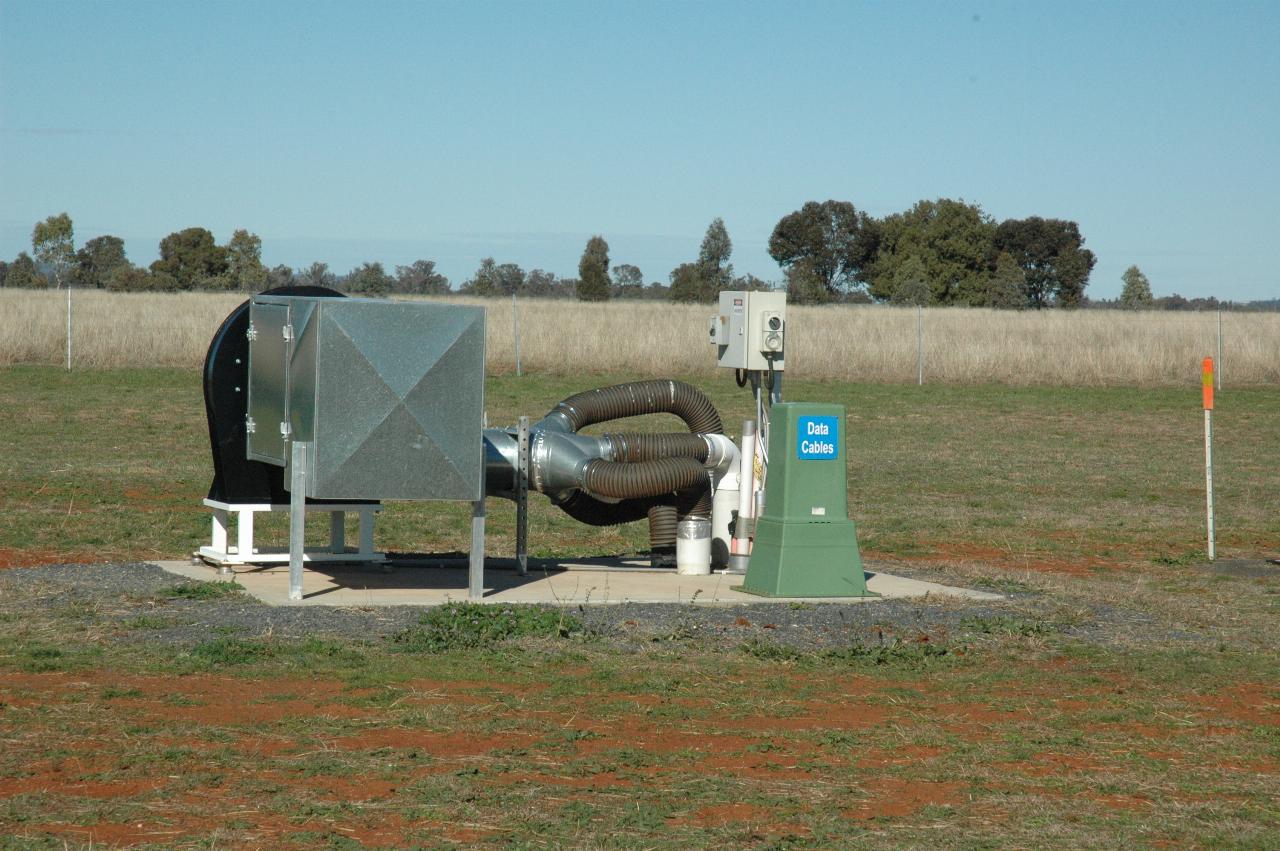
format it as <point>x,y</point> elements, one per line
<point>863,343</point>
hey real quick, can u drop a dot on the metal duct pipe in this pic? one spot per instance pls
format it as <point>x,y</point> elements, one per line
<point>620,477</point>
<point>562,462</point>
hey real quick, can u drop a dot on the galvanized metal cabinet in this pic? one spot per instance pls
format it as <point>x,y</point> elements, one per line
<point>389,395</point>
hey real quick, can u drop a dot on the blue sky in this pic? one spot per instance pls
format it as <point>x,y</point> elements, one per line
<point>346,132</point>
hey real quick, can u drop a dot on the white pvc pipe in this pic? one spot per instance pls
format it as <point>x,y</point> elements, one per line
<point>723,503</point>
<point>740,546</point>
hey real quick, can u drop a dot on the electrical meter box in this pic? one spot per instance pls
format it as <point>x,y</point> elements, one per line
<point>389,396</point>
<point>750,331</point>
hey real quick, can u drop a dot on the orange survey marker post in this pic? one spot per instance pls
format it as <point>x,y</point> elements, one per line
<point>1207,385</point>
<point>1207,381</point>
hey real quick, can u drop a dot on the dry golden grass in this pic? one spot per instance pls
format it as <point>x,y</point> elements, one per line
<point>862,343</point>
<point>111,329</point>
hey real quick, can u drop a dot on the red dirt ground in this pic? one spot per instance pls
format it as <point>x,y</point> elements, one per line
<point>26,557</point>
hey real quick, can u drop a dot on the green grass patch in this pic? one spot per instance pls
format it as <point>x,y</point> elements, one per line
<point>203,591</point>
<point>896,654</point>
<point>1006,625</point>
<point>1002,585</point>
<point>231,651</point>
<point>152,622</point>
<point>464,626</point>
<point>41,658</point>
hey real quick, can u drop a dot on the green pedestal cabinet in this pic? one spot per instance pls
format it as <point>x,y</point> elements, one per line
<point>805,543</point>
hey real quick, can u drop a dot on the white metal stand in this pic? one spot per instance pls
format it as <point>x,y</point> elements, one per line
<point>220,553</point>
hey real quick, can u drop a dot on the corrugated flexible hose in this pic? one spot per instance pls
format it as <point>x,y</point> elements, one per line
<point>635,398</point>
<point>621,480</point>
<point>631,447</point>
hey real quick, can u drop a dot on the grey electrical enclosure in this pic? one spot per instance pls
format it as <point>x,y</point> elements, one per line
<point>389,396</point>
<point>750,330</point>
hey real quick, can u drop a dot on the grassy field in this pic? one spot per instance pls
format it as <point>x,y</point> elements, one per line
<point>1021,730</point>
<point>1018,738</point>
<point>113,464</point>
<point>866,344</point>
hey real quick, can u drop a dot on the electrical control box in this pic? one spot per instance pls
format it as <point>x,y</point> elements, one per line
<point>750,330</point>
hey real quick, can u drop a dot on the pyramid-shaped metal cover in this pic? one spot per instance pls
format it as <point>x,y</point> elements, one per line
<point>391,396</point>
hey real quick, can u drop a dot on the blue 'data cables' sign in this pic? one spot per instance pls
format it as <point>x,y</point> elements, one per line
<point>817,438</point>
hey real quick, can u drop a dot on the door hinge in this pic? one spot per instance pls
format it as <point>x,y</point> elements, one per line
<point>288,331</point>
<point>250,426</point>
<point>252,333</point>
<point>285,431</point>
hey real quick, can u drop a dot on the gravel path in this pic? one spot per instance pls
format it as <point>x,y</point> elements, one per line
<point>133,601</point>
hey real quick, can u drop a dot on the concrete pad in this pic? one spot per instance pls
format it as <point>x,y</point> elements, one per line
<point>595,581</point>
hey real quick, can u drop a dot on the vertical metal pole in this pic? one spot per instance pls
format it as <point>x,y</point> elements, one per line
<point>515,330</point>
<point>68,326</point>
<point>920,345</point>
<point>338,531</point>
<point>1208,478</point>
<point>1219,364</point>
<point>297,516</point>
<point>475,570</point>
<point>522,498</point>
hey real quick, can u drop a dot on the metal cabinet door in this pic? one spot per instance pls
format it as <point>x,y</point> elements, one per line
<point>268,383</point>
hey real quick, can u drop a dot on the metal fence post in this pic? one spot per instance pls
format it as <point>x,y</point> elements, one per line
<point>1218,374</point>
<point>920,345</point>
<point>515,330</point>
<point>68,326</point>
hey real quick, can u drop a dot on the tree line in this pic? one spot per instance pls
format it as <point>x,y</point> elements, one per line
<point>191,259</point>
<point>941,252</point>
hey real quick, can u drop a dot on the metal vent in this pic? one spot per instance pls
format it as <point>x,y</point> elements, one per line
<point>389,394</point>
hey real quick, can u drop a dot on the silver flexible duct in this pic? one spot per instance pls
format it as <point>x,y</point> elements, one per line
<point>561,461</point>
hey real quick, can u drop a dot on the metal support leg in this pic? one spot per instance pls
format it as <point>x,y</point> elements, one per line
<point>522,498</point>
<point>244,535</point>
<point>366,532</point>
<point>297,517</point>
<point>475,571</point>
<point>220,530</point>
<point>337,531</point>
<point>219,544</point>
